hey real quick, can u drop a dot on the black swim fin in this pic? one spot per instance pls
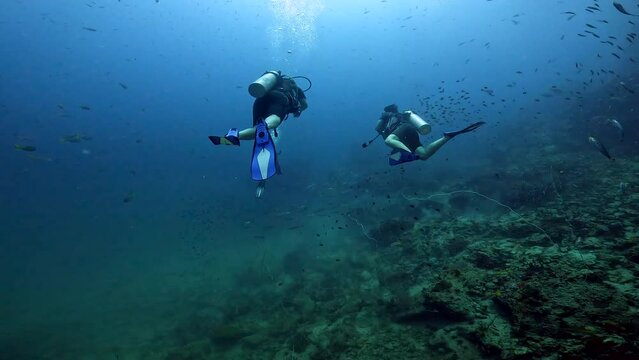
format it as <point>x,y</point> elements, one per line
<point>469,128</point>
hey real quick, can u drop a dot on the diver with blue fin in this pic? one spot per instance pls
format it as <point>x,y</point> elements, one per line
<point>276,96</point>
<point>264,160</point>
<point>401,131</point>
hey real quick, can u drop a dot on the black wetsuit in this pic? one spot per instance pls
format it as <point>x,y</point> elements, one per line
<point>284,99</point>
<point>394,123</point>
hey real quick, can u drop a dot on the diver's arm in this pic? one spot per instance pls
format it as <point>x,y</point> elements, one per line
<point>382,123</point>
<point>380,126</point>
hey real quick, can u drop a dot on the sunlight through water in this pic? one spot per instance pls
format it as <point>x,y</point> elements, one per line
<point>294,27</point>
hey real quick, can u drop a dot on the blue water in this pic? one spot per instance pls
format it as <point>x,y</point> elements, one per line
<point>109,242</point>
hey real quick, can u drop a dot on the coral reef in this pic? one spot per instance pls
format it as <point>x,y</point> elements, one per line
<point>555,279</point>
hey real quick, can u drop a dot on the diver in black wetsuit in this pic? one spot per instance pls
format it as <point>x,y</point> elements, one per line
<point>283,97</point>
<point>274,107</point>
<point>401,131</point>
<point>277,96</point>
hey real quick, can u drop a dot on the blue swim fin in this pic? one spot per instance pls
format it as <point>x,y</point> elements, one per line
<point>400,156</point>
<point>264,160</point>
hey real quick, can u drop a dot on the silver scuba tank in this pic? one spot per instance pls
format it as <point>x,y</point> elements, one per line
<point>264,84</point>
<point>422,127</point>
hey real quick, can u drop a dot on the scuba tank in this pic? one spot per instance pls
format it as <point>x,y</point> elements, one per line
<point>264,84</point>
<point>422,127</point>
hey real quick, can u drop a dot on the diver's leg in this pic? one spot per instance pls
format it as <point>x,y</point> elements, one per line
<point>430,149</point>
<point>393,141</point>
<point>272,122</point>
<point>469,128</point>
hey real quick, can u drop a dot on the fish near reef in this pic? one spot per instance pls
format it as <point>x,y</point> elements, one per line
<point>617,126</point>
<point>602,149</point>
<point>27,148</point>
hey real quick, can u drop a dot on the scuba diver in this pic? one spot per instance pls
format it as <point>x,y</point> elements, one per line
<point>401,132</point>
<point>276,96</point>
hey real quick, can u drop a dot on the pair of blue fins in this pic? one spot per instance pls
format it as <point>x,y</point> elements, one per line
<point>264,160</point>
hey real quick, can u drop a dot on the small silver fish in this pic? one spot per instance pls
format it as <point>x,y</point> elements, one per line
<point>623,85</point>
<point>602,149</point>
<point>617,126</point>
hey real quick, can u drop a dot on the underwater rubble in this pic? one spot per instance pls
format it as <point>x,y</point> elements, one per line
<point>553,278</point>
